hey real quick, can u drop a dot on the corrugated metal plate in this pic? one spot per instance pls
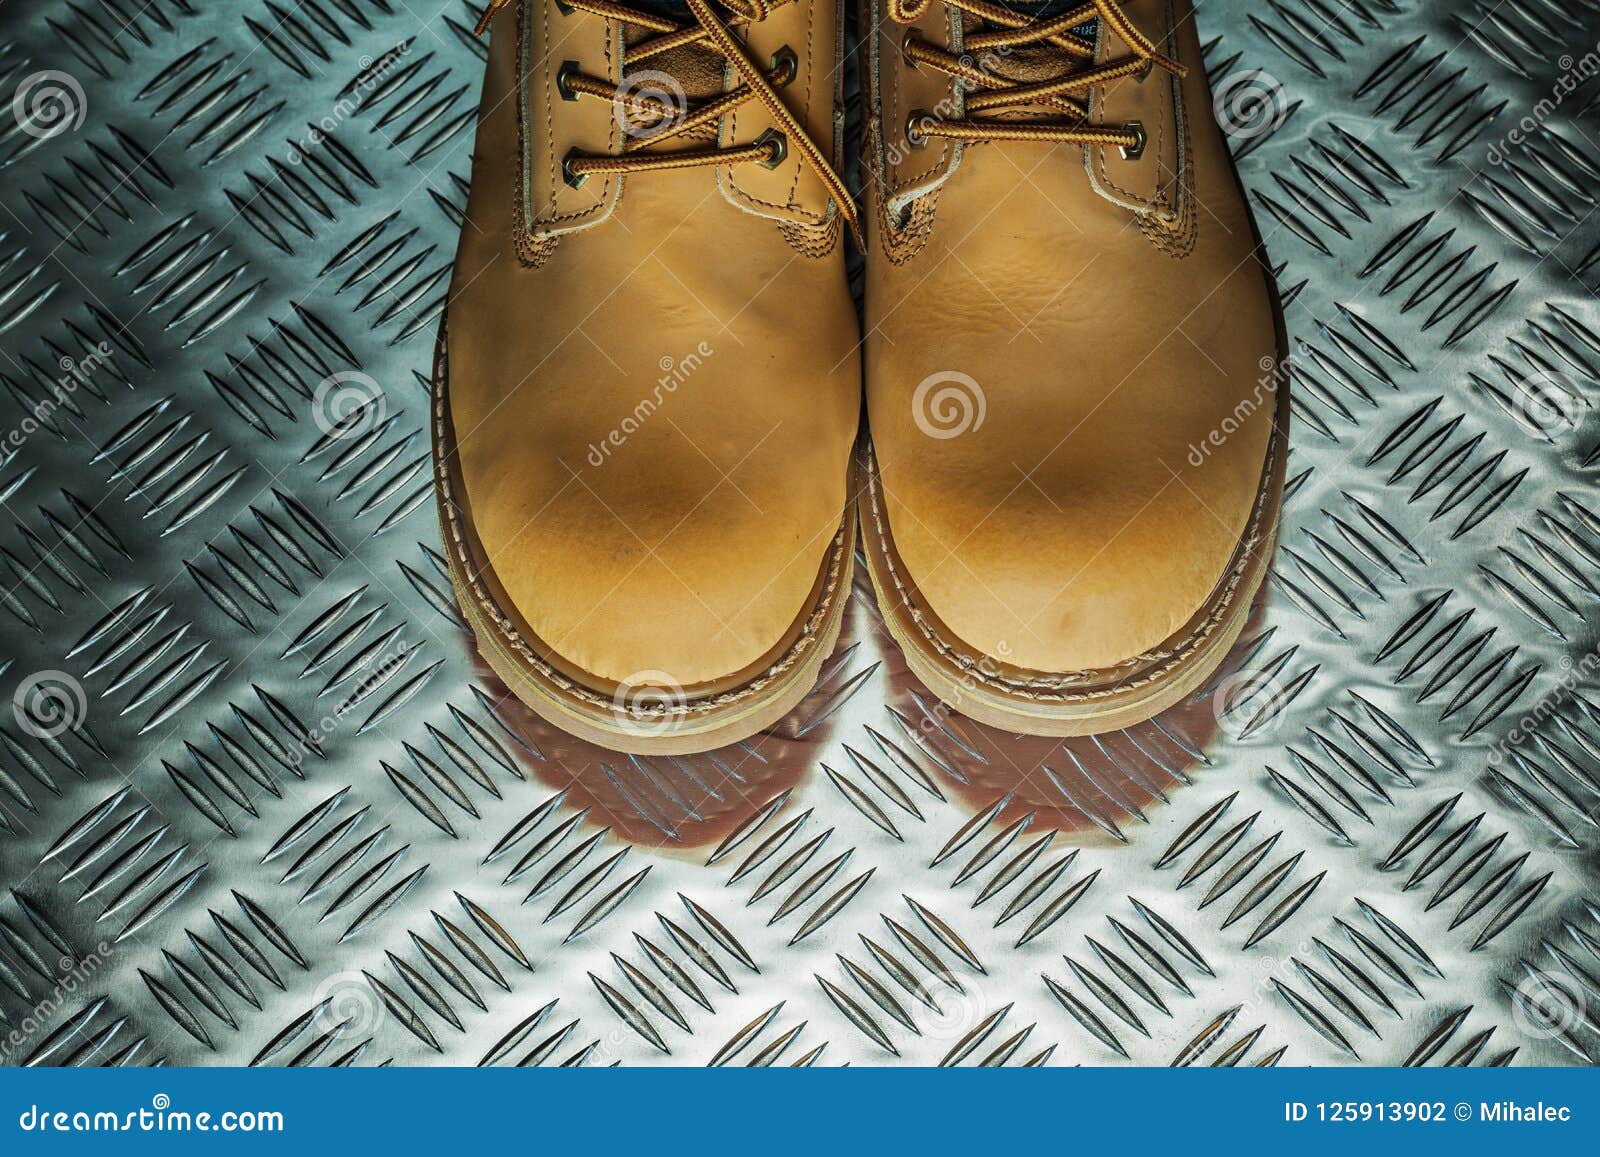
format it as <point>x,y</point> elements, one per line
<point>1373,840</point>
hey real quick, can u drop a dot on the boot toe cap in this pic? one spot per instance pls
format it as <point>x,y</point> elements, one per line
<point>644,581</point>
<point>1080,573</point>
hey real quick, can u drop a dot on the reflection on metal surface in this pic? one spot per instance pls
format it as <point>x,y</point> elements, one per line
<point>1082,787</point>
<point>259,802</point>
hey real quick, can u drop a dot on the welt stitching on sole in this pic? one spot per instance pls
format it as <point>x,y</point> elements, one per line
<point>780,668</point>
<point>1047,688</point>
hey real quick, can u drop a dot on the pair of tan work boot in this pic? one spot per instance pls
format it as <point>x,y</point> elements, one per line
<point>651,458</point>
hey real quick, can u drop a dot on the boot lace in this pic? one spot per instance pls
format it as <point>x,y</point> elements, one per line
<point>655,118</point>
<point>1001,31</point>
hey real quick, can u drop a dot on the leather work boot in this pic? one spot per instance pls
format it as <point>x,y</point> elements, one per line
<point>1072,359</point>
<point>647,388</point>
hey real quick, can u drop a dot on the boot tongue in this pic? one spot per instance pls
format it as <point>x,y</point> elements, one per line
<point>1046,9</point>
<point>699,71</point>
<point>1033,63</point>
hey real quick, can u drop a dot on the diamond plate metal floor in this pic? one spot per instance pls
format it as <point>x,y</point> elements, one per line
<point>1373,841</point>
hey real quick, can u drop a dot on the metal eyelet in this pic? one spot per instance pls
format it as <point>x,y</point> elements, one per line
<point>1136,150</point>
<point>1144,73</point>
<point>905,41</point>
<point>786,64</point>
<point>564,9</point>
<point>914,137</point>
<point>568,67</point>
<point>779,148</point>
<point>567,174</point>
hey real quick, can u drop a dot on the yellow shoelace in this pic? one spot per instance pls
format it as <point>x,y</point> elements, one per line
<point>665,120</point>
<point>1003,31</point>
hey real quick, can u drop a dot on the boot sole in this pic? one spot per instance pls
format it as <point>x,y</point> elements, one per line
<point>591,710</point>
<point>1086,702</point>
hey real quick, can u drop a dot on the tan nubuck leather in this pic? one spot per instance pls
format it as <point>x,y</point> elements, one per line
<point>648,387</point>
<point>1073,360</point>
